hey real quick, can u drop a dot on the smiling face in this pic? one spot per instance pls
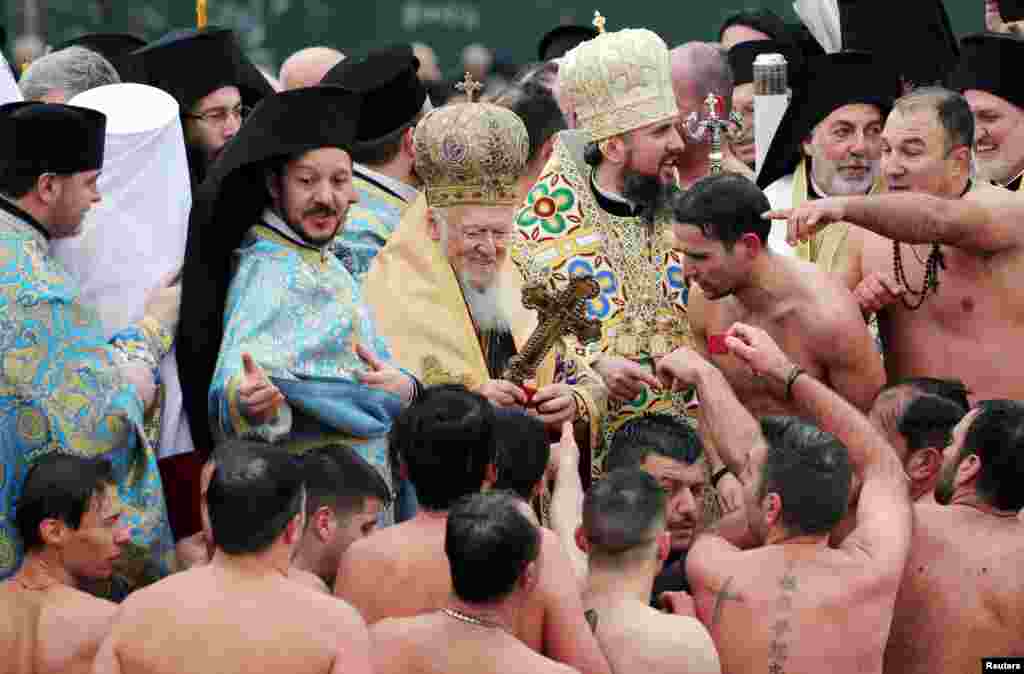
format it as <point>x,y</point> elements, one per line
<point>999,136</point>
<point>77,194</point>
<point>845,148</point>
<point>684,486</point>
<point>313,193</point>
<point>655,150</point>
<point>475,240</point>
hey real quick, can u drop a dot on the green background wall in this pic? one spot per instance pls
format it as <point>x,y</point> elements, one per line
<point>271,29</point>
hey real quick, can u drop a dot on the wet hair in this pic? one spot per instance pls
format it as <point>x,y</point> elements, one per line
<point>996,436</point>
<point>447,440</point>
<point>73,70</point>
<point>952,110</point>
<point>59,487</point>
<point>724,207</point>
<point>537,107</point>
<point>621,511</point>
<point>658,434</point>
<point>523,451</point>
<point>810,470</point>
<point>928,421</point>
<point>255,491</point>
<point>489,543</point>
<point>952,390</point>
<point>339,478</point>
<point>762,20</point>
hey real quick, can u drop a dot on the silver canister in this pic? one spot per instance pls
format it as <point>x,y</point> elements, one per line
<point>770,77</point>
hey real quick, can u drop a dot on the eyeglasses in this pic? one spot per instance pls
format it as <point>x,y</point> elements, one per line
<point>480,235</point>
<point>219,116</point>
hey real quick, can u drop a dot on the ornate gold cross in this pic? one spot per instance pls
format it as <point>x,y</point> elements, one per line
<point>469,86</point>
<point>558,313</point>
<point>599,21</point>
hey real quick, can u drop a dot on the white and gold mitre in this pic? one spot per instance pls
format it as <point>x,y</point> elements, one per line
<point>471,154</point>
<point>619,82</point>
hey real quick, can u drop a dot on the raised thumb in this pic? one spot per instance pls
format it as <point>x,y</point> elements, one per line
<point>368,357</point>
<point>249,366</point>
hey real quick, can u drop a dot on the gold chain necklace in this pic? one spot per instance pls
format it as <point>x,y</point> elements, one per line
<point>466,618</point>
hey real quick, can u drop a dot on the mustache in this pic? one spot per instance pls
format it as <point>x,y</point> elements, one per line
<point>320,210</point>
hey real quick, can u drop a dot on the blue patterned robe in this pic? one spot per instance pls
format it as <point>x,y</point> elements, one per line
<point>61,390</point>
<point>370,223</point>
<point>299,313</point>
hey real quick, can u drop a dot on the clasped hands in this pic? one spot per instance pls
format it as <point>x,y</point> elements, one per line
<point>553,404</point>
<point>260,399</point>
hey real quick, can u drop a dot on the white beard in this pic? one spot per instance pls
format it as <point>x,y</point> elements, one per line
<point>486,306</point>
<point>838,186</point>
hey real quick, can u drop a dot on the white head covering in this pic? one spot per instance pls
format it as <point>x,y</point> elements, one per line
<point>9,91</point>
<point>136,234</point>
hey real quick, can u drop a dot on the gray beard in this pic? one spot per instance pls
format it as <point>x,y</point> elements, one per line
<point>485,306</point>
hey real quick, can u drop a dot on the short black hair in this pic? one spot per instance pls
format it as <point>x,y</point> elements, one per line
<point>928,421</point>
<point>763,20</point>
<point>523,451</point>
<point>537,107</point>
<point>996,436</point>
<point>810,470</point>
<point>952,110</point>
<point>339,478</point>
<point>489,543</point>
<point>255,491</point>
<point>952,390</point>
<point>60,487</point>
<point>446,440</point>
<point>15,180</point>
<point>620,511</point>
<point>724,207</point>
<point>658,434</point>
<point>382,150</point>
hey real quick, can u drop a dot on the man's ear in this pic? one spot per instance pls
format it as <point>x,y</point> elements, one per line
<point>54,532</point>
<point>325,524</point>
<point>433,225</point>
<point>409,142</point>
<point>771,506</point>
<point>968,470</point>
<point>924,464</point>
<point>614,149</point>
<point>530,577</point>
<point>581,540</point>
<point>49,188</point>
<point>960,155</point>
<point>273,182</point>
<point>293,532</point>
<point>664,546</point>
<point>753,244</point>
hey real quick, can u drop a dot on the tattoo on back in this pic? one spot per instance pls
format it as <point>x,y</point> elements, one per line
<point>779,648</point>
<point>591,616</point>
<point>722,596</point>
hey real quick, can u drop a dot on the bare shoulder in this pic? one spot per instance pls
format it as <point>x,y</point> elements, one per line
<point>309,580</point>
<point>687,642</point>
<point>394,630</point>
<point>710,560</point>
<point>68,605</point>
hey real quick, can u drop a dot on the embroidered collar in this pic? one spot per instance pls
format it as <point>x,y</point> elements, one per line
<point>395,188</point>
<point>610,202</point>
<point>276,223</point>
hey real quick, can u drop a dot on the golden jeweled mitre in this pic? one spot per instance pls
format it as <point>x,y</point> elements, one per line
<point>619,82</point>
<point>471,154</point>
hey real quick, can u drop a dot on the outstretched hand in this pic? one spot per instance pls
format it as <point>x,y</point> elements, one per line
<point>259,398</point>
<point>384,377</point>
<point>809,218</point>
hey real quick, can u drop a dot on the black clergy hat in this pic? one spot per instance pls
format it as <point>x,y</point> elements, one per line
<point>194,62</point>
<point>832,81</point>
<point>229,202</point>
<point>392,91</point>
<point>989,62</point>
<point>52,138</point>
<point>115,47</point>
<point>561,39</point>
<point>742,55</point>
<point>913,37</point>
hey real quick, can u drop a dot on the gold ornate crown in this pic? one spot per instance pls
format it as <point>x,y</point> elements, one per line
<point>619,82</point>
<point>471,154</point>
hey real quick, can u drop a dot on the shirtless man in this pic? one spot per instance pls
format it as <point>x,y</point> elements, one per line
<point>241,612</point>
<point>493,552</point>
<point>624,531</point>
<point>68,517</point>
<point>967,232</point>
<point>447,441</point>
<point>814,319</point>
<point>776,597</point>
<point>962,597</point>
<point>344,496</point>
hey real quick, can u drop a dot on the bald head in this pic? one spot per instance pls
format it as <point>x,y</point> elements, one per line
<point>306,67</point>
<point>699,69</point>
<point>429,71</point>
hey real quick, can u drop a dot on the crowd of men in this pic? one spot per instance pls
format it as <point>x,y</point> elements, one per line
<point>261,348</point>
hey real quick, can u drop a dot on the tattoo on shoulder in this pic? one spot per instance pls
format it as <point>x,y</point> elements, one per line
<point>591,616</point>
<point>722,596</point>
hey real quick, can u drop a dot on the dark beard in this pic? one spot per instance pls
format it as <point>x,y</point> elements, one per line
<point>650,195</point>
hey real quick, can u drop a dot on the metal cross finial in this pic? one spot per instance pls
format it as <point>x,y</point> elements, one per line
<point>599,21</point>
<point>469,86</point>
<point>698,129</point>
